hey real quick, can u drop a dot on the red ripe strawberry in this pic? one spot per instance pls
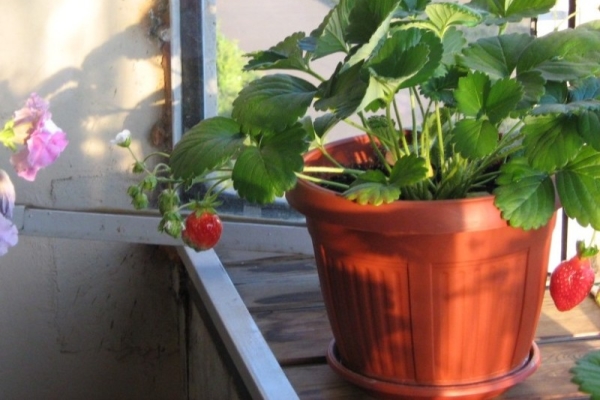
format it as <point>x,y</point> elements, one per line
<point>202,230</point>
<point>571,282</point>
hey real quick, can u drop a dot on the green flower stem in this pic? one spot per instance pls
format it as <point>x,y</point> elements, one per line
<point>440,134</point>
<point>364,128</point>
<point>391,128</point>
<point>161,167</point>
<point>314,74</point>
<point>157,153</point>
<point>400,127</point>
<point>332,170</point>
<point>414,121</point>
<point>322,181</point>
<point>324,151</point>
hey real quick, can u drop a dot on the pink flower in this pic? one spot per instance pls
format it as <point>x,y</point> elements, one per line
<point>44,141</point>
<point>35,109</point>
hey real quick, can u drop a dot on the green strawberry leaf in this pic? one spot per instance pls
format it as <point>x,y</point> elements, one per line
<point>407,58</point>
<point>443,88</point>
<point>373,193</point>
<point>218,139</point>
<point>475,138</point>
<point>562,56</point>
<point>551,141</point>
<point>502,99</point>
<point>453,42</point>
<point>525,196</point>
<point>567,108</point>
<point>502,11</point>
<point>411,7</point>
<point>262,173</point>
<point>587,89</point>
<point>366,50</point>
<point>272,103</point>
<point>408,170</point>
<point>471,93</point>
<point>380,128</point>
<point>343,93</point>
<point>324,124</point>
<point>445,15</point>
<point>579,188</point>
<point>586,374</point>
<point>588,126</point>
<point>328,38</point>
<point>285,55</point>
<point>534,88</point>
<point>496,56</point>
<point>366,17</point>
<point>372,188</point>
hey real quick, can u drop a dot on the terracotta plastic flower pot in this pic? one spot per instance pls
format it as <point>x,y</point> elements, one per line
<point>426,299</point>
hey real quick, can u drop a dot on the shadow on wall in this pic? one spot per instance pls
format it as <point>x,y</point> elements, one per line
<point>119,84</point>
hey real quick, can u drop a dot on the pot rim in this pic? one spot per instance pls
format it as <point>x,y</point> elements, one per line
<point>418,216</point>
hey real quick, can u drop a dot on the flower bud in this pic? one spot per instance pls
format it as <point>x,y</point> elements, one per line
<point>168,200</point>
<point>171,224</point>
<point>138,167</point>
<point>149,182</point>
<point>123,139</point>
<point>133,190</point>
<point>140,201</point>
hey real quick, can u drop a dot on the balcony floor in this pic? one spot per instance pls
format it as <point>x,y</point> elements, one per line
<point>283,296</point>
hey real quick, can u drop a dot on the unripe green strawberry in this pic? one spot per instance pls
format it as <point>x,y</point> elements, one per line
<point>202,230</point>
<point>571,282</point>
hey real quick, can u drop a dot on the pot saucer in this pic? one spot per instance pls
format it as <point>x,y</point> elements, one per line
<point>474,391</point>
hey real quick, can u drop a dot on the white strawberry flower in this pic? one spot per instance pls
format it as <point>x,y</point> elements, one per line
<point>123,138</point>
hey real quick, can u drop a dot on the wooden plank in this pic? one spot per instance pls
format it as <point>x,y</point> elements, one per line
<point>296,336</point>
<point>277,283</point>
<point>582,320</point>
<point>551,381</point>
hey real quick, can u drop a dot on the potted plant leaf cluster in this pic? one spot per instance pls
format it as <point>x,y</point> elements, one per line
<point>431,226</point>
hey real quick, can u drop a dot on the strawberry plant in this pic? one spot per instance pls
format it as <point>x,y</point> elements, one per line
<point>509,115</point>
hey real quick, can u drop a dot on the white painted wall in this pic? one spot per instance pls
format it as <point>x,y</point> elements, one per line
<point>85,319</point>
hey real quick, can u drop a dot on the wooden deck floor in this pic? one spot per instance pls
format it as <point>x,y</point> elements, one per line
<point>283,296</point>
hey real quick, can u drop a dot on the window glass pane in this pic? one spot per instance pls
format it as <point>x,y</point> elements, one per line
<point>587,10</point>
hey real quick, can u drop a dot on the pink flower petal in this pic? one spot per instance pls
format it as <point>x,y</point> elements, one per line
<point>35,108</point>
<point>22,166</point>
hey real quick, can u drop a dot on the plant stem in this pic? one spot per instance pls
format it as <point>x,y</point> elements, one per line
<point>322,181</point>
<point>440,135</point>
<point>414,121</point>
<point>400,127</point>
<point>391,128</point>
<point>365,128</point>
<point>332,170</point>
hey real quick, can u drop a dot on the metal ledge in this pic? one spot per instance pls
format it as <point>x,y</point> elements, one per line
<point>254,360</point>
